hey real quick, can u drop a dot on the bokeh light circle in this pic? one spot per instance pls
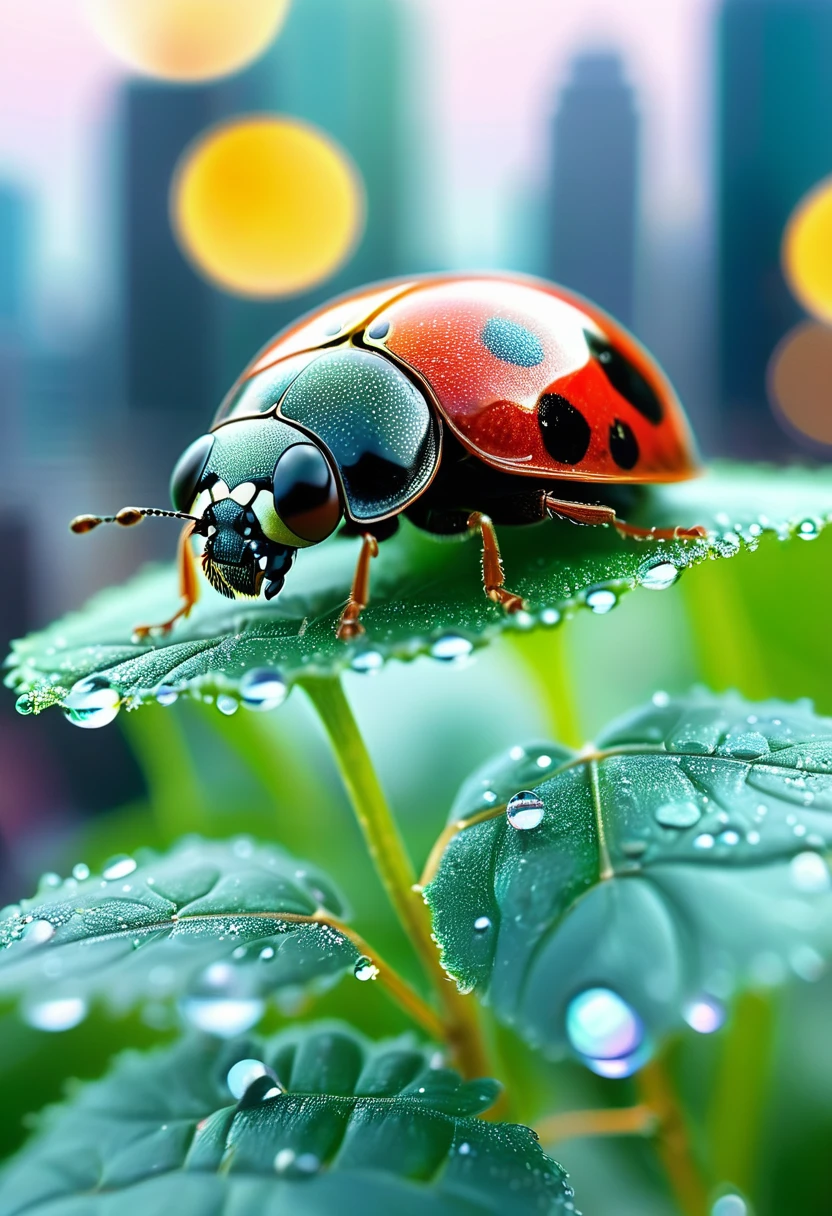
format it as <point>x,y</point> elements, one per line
<point>807,251</point>
<point>266,206</point>
<point>800,381</point>
<point>186,39</point>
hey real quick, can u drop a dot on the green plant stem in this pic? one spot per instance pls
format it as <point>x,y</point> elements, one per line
<point>658,1093</point>
<point>174,789</point>
<point>544,656</point>
<point>463,1032</point>
<point>738,1098</point>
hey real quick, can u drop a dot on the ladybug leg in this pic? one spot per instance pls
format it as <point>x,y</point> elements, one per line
<point>492,565</point>
<point>188,588</point>
<point>583,513</point>
<point>349,626</point>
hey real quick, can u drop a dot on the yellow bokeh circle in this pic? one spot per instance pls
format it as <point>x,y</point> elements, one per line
<point>800,381</point>
<point>187,39</point>
<point>266,206</point>
<point>807,251</point>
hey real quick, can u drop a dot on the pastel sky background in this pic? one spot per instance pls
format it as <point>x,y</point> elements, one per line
<point>487,72</point>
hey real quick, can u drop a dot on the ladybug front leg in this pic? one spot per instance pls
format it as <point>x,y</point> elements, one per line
<point>349,626</point>
<point>188,588</point>
<point>492,565</point>
<point>583,513</point>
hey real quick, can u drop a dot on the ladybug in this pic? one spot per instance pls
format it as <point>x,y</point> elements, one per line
<point>459,401</point>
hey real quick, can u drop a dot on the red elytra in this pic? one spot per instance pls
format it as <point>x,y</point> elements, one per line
<point>499,355</point>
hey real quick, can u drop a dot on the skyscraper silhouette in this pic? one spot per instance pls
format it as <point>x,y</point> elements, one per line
<point>168,323</point>
<point>774,141</point>
<point>339,64</point>
<point>593,189</point>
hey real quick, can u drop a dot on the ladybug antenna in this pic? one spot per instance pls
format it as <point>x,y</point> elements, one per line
<point>126,517</point>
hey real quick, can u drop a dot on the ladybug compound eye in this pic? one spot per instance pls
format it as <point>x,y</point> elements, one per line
<point>305,493</point>
<point>188,472</point>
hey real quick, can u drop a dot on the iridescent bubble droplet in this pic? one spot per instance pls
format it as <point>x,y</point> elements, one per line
<point>60,1014</point>
<point>525,811</point>
<point>263,688</point>
<point>704,1015</point>
<point>601,1025</point>
<point>23,704</point>
<point>91,703</point>
<point>227,705</point>
<point>365,969</point>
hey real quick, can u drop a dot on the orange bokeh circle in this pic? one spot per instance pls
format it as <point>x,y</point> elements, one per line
<point>186,40</point>
<point>800,381</point>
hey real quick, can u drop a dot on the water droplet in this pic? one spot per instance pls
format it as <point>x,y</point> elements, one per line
<point>601,600</point>
<point>730,1205</point>
<point>284,1160</point>
<point>222,1016</point>
<point>91,703</point>
<point>464,1149</point>
<point>263,688</point>
<point>704,1015</point>
<point>658,577</point>
<point>661,699</point>
<point>602,1026</point>
<point>266,953</point>
<point>550,617</point>
<point>730,837</point>
<point>297,1164</point>
<point>678,814</point>
<point>807,964</point>
<point>544,761</point>
<point>80,871</point>
<point>517,753</point>
<point>38,932</point>
<point>60,1014</point>
<point>166,694</point>
<point>227,704</point>
<point>810,873</point>
<point>625,1066</point>
<point>482,923</point>
<point>367,662</point>
<point>23,704</point>
<point>118,867</point>
<point>49,880</point>
<point>808,529</point>
<point>242,1074</point>
<point>525,811</point>
<point>365,969</point>
<point>705,841</point>
<point>451,648</point>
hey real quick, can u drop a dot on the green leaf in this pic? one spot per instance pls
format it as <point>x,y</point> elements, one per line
<point>676,859</point>
<point>333,1124</point>
<point>424,591</point>
<point>219,925</point>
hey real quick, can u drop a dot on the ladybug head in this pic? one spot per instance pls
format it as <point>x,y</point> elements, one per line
<point>255,491</point>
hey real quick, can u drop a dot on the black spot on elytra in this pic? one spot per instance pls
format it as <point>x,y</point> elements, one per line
<point>566,433</point>
<point>625,378</point>
<point>623,445</point>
